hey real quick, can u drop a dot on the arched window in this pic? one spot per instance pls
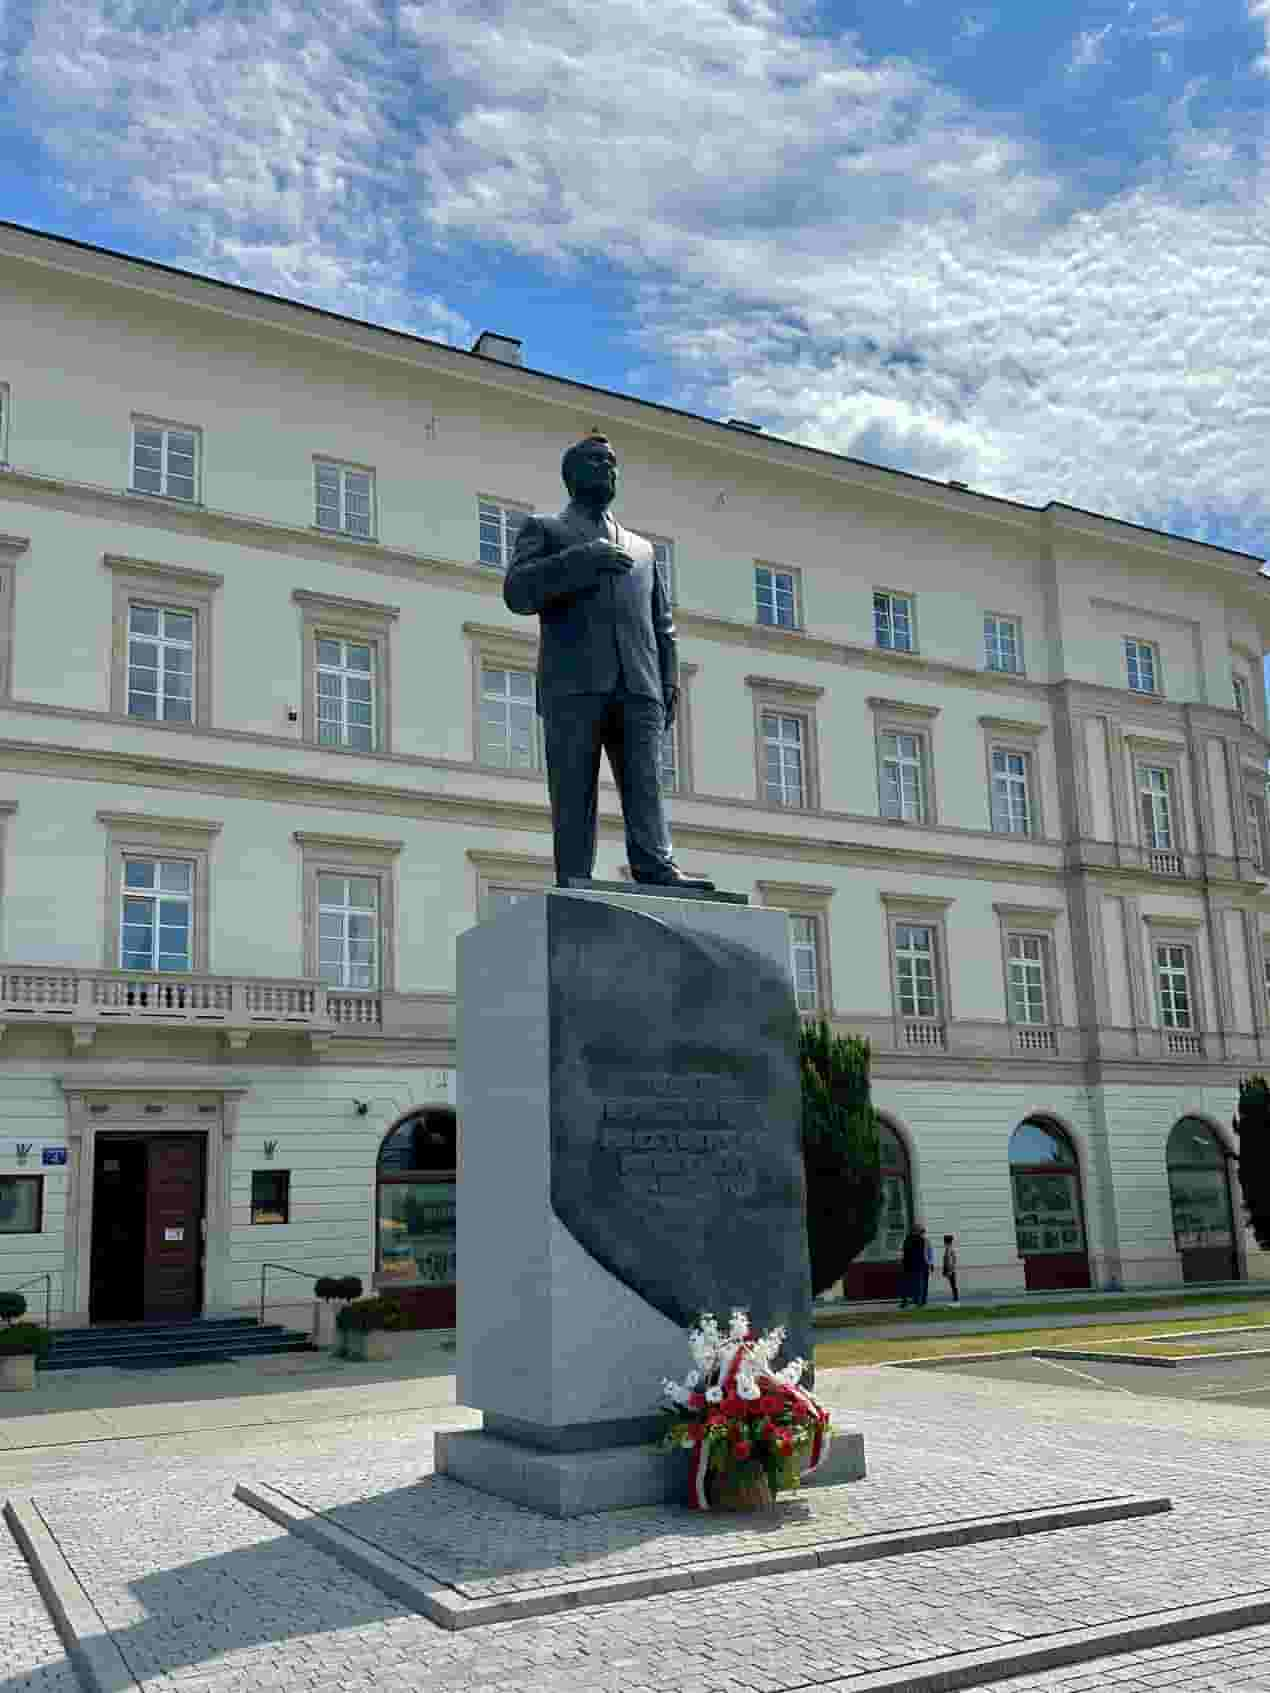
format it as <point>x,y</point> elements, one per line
<point>1199,1193</point>
<point>415,1204</point>
<point>874,1273</point>
<point>1049,1222</point>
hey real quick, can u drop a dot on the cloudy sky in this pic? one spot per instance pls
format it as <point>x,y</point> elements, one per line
<point>1020,244</point>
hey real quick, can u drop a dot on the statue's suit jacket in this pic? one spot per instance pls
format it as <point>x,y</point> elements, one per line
<point>593,620</point>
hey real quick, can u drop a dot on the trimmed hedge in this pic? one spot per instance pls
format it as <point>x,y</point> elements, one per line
<point>338,1287</point>
<point>12,1306</point>
<point>364,1315</point>
<point>20,1338</point>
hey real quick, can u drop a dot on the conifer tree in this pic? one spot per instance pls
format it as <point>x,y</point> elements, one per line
<point>841,1150</point>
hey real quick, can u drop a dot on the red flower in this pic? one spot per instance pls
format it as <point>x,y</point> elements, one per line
<point>732,1406</point>
<point>716,1419</point>
<point>742,1448</point>
<point>696,1401</point>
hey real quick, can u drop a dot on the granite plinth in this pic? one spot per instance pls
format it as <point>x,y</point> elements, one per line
<point>564,1484</point>
<point>651,890</point>
<point>630,1156</point>
<point>574,1484</point>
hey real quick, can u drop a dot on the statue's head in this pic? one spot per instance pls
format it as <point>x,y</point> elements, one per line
<point>589,468</point>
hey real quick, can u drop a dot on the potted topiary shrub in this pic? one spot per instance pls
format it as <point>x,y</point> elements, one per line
<point>326,1290</point>
<point>364,1326</point>
<point>20,1345</point>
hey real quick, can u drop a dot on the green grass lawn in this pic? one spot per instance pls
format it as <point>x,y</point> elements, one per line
<point>945,1312</point>
<point>860,1349</point>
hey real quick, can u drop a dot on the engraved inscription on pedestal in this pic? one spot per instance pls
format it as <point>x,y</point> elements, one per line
<point>676,1153</point>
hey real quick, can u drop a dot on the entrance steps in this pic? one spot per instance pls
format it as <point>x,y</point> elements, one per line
<point>156,1346</point>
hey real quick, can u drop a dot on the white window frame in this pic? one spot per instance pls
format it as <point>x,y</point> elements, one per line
<point>1006,787</point>
<point>137,581</point>
<point>166,431</point>
<point>805,903</point>
<point>1180,963</point>
<point>344,673</point>
<point>1152,800</point>
<point>514,873</point>
<point>908,981</point>
<point>900,719</point>
<point>918,1029</point>
<point>537,758</point>
<point>885,604</point>
<point>1029,966</point>
<point>804,949</point>
<point>994,647</point>
<point>902,775</point>
<point>775,723</point>
<point>1255,817</point>
<point>348,520</point>
<point>345,910</point>
<point>154,894</point>
<point>164,643</point>
<point>350,856</point>
<point>1243,698</point>
<point>359,623</point>
<point>5,408</point>
<point>140,836</point>
<point>494,512</point>
<point>782,585</point>
<point>1134,650</point>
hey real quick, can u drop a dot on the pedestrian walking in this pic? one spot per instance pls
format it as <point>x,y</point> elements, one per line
<point>912,1266</point>
<point>950,1266</point>
<point>928,1266</point>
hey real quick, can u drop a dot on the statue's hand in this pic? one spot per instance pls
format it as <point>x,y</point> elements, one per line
<point>609,558</point>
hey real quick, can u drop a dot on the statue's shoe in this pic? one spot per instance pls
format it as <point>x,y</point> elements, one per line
<point>673,877</point>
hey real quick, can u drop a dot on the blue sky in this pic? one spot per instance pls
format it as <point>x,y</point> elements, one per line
<point>1026,246</point>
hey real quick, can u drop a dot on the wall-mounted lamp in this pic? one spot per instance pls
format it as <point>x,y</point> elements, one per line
<point>361,1106</point>
<point>293,716</point>
<point>271,1146</point>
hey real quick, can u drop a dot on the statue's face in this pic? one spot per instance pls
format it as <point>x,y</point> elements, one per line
<point>595,472</point>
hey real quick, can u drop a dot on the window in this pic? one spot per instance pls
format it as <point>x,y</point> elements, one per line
<point>510,732</point>
<point>1048,1215</point>
<point>164,460</point>
<point>161,654</point>
<point>160,663</point>
<point>903,777</point>
<point>345,499</point>
<point>1240,687</point>
<point>1155,803</point>
<point>21,1204</point>
<point>805,962</point>
<point>893,621</point>
<point>348,931</point>
<point>916,984</point>
<point>159,876</point>
<point>4,423</point>
<point>271,1196</point>
<point>349,912</point>
<point>1254,811</point>
<point>776,596</point>
<point>1173,985</point>
<point>1199,1193</point>
<point>1141,662</point>
<point>664,555</point>
<point>346,664</point>
<point>1011,805</point>
<point>157,915</point>
<point>345,703</point>
<point>783,756</point>
<point>1003,644</point>
<point>416,1171</point>
<point>499,525</point>
<point>1029,999</point>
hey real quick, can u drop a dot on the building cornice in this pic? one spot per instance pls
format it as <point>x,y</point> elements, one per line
<point>148,567</point>
<point>295,319</point>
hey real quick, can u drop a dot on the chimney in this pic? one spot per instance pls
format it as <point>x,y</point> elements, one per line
<point>504,348</point>
<point>740,423</point>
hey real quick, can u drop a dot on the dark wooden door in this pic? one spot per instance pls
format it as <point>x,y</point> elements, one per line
<point>1209,1264</point>
<point>174,1215</point>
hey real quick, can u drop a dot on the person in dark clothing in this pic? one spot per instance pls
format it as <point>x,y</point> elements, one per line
<point>913,1266</point>
<point>950,1266</point>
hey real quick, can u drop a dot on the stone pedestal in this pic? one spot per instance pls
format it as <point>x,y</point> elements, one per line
<point>629,1156</point>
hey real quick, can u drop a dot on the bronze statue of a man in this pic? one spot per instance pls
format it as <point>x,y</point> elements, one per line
<point>608,669</point>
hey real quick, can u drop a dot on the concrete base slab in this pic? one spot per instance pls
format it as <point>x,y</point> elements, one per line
<point>542,1593</point>
<point>615,1478</point>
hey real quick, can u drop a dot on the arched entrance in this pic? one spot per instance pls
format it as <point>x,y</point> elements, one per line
<point>875,1274</point>
<point>414,1215</point>
<point>1049,1218</point>
<point>1199,1192</point>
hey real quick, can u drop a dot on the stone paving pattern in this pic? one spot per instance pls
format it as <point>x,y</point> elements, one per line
<point>206,1596</point>
<point>31,1656</point>
<point>1226,1663</point>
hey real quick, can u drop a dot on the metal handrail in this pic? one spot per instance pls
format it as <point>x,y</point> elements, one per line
<point>45,1276</point>
<point>264,1268</point>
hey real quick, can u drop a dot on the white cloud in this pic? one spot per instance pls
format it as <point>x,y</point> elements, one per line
<point>1259,13</point>
<point>833,245</point>
<point>1089,48</point>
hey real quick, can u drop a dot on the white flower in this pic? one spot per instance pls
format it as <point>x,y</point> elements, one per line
<point>740,1324</point>
<point>746,1386</point>
<point>714,1395</point>
<point>693,1378</point>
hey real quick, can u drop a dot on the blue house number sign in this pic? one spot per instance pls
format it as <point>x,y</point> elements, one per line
<point>53,1155</point>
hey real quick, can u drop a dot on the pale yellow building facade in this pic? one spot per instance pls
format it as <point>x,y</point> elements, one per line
<point>269,747</point>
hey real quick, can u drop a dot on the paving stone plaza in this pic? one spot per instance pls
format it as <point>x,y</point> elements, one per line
<point>200,1592</point>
